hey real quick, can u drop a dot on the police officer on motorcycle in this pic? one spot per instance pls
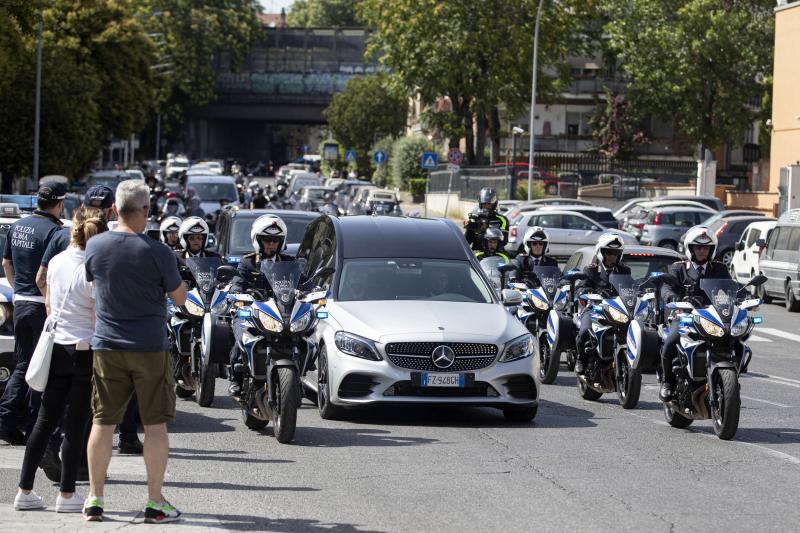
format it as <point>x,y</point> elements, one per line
<point>608,257</point>
<point>169,229</point>
<point>700,245</point>
<point>484,217</point>
<point>491,245</point>
<point>536,241</point>
<point>268,235</point>
<point>193,236</point>
<point>329,207</point>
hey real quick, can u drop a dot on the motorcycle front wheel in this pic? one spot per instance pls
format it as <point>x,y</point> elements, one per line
<point>206,381</point>
<point>725,416</point>
<point>629,382</point>
<point>287,400</point>
<point>549,361</point>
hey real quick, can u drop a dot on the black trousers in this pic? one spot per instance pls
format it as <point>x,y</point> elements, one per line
<point>668,353</point>
<point>583,334</point>
<point>69,384</point>
<point>16,411</point>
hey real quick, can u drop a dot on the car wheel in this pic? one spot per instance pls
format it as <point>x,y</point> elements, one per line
<point>327,410</point>
<point>792,304</point>
<point>520,414</point>
<point>670,245</point>
<point>727,258</point>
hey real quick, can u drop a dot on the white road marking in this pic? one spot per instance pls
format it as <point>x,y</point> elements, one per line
<point>778,333</point>
<point>776,404</point>
<point>121,465</point>
<point>777,381</point>
<point>756,338</point>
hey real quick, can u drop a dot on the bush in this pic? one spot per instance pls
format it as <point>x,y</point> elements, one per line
<point>406,162</point>
<point>417,187</point>
<point>522,190</point>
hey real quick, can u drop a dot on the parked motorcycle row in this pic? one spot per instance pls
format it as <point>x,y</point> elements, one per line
<point>629,322</point>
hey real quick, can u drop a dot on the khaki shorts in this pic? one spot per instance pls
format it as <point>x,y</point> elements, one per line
<point>117,374</point>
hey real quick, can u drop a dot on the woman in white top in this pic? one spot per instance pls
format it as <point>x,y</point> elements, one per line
<point>69,382</point>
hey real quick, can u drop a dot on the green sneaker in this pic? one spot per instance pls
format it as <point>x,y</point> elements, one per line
<point>160,513</point>
<point>93,509</point>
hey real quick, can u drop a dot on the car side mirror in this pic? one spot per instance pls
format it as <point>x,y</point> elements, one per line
<point>740,246</point>
<point>511,297</point>
<point>761,243</point>
<point>225,273</point>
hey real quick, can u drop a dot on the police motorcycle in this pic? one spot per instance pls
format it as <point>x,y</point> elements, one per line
<point>708,363</point>
<point>495,269</point>
<point>563,321</point>
<point>608,367</point>
<point>276,345</point>
<point>194,327</point>
<point>539,296</point>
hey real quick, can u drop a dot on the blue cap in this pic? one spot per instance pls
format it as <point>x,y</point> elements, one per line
<point>99,196</point>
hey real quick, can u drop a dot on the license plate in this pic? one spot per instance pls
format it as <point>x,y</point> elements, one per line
<point>442,380</point>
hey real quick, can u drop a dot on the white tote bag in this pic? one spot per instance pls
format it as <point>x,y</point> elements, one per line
<point>39,367</point>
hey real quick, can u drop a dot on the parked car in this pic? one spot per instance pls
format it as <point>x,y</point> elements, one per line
<point>728,232</point>
<point>710,201</point>
<point>780,262</point>
<point>567,230</point>
<point>212,189</point>
<point>413,319</point>
<point>745,259</point>
<point>533,205</point>
<point>665,227</point>
<point>504,206</point>
<point>232,233</point>
<point>603,215</point>
<point>728,213</point>
<point>634,220</point>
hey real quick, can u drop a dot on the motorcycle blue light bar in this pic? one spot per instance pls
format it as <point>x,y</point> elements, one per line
<point>597,308</point>
<point>758,320</point>
<point>322,314</point>
<point>686,321</point>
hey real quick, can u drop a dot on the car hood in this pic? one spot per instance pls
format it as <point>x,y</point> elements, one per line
<point>419,320</point>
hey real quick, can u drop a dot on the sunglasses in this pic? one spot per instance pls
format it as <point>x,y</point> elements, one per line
<point>532,244</point>
<point>271,239</point>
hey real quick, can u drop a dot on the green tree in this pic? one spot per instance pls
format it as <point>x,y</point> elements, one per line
<point>696,61</point>
<point>363,112</point>
<point>477,53</point>
<point>17,21</point>
<point>406,162</point>
<point>323,14</point>
<point>616,127</point>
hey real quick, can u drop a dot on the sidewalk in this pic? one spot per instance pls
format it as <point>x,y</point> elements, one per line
<point>48,520</point>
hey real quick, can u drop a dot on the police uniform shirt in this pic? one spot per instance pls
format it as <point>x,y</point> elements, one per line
<point>26,242</point>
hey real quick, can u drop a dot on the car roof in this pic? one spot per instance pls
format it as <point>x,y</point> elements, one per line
<point>679,209</point>
<point>675,203</point>
<point>255,213</point>
<point>365,236</point>
<point>578,208</point>
<point>318,187</point>
<point>558,211</point>
<point>763,222</point>
<point>742,218</point>
<point>210,178</point>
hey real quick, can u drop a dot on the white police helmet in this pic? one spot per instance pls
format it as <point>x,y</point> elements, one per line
<point>268,226</point>
<point>193,226</point>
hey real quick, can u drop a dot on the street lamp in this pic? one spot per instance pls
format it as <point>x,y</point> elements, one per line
<point>516,130</point>
<point>533,98</point>
<point>38,103</point>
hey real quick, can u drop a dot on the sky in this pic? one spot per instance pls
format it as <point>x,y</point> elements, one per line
<point>274,6</point>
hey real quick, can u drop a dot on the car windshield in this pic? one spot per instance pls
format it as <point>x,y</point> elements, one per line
<point>240,236</point>
<point>316,194</point>
<point>411,279</point>
<point>214,192</point>
<point>604,217</point>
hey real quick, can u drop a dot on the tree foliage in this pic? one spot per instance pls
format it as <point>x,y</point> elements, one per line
<point>364,112</point>
<point>406,161</point>
<point>696,61</point>
<point>477,53</point>
<point>323,14</point>
<point>616,127</point>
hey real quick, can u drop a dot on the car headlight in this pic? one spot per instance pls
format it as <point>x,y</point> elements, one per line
<point>356,346</point>
<point>742,328</point>
<point>616,315</point>
<point>5,313</point>
<point>194,309</point>
<point>709,327</point>
<point>538,303</point>
<point>301,323</point>
<point>269,323</point>
<point>518,348</point>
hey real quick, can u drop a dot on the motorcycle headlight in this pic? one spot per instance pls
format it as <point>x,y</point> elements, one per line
<point>742,328</point>
<point>194,309</point>
<point>269,323</point>
<point>518,348</point>
<point>538,303</point>
<point>356,346</point>
<point>5,313</point>
<point>301,323</point>
<point>709,327</point>
<point>560,304</point>
<point>616,315</point>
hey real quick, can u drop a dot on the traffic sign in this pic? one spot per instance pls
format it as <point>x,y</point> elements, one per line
<point>455,157</point>
<point>379,157</point>
<point>430,159</point>
<point>350,156</point>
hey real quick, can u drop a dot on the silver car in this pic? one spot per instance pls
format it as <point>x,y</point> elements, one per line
<point>666,226</point>
<point>413,324</point>
<point>568,231</point>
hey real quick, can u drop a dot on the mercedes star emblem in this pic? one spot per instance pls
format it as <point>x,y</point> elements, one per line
<point>443,357</point>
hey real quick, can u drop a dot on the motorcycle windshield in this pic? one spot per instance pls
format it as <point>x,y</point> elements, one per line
<point>722,295</point>
<point>548,277</point>
<point>489,266</point>
<point>204,271</point>
<point>283,277</point>
<point>626,287</point>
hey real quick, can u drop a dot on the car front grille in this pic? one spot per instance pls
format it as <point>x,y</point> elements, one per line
<point>479,389</point>
<point>417,355</point>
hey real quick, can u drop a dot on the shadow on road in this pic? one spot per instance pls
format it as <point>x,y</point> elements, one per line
<point>260,523</point>
<point>205,455</point>
<point>189,422</point>
<point>216,485</point>
<point>453,416</point>
<point>557,415</point>
<point>322,437</point>
<point>760,435</point>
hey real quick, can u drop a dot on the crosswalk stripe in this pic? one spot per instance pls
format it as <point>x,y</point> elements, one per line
<point>756,338</point>
<point>778,333</point>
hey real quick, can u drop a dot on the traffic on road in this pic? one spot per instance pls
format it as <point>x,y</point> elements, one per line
<point>300,290</point>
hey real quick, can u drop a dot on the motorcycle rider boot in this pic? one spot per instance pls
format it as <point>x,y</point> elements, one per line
<point>665,393</point>
<point>130,446</point>
<point>235,389</point>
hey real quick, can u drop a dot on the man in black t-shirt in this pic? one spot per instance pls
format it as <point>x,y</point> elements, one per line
<point>26,242</point>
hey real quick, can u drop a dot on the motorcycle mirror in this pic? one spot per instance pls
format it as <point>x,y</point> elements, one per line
<point>511,297</point>
<point>759,279</point>
<point>225,273</point>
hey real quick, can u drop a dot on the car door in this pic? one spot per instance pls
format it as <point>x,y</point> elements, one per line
<point>740,264</point>
<point>580,231</point>
<point>768,262</point>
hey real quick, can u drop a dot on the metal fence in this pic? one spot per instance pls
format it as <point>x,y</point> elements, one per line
<point>468,181</point>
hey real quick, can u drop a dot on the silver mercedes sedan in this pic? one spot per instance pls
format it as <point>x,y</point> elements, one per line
<point>411,318</point>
